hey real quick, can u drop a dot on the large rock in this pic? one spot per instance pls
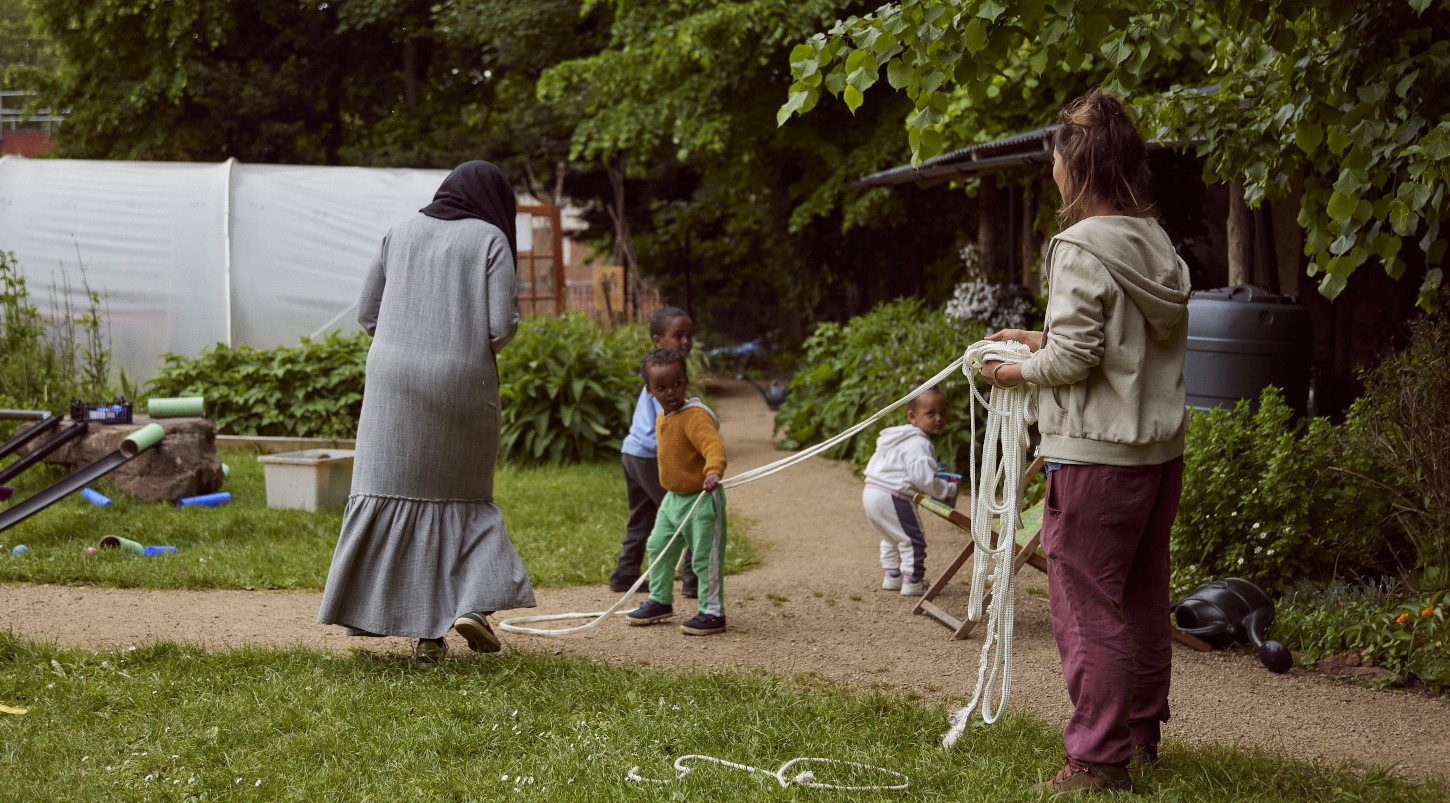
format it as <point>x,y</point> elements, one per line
<point>184,463</point>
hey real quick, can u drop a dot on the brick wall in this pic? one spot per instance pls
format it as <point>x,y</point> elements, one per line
<point>28,143</point>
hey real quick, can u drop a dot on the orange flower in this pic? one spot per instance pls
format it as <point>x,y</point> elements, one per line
<point>1402,618</point>
<point>1428,611</point>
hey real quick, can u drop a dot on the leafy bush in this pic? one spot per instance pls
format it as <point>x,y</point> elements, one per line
<point>1403,424</point>
<point>313,389</point>
<point>850,372</point>
<point>569,388</point>
<point>1260,503</point>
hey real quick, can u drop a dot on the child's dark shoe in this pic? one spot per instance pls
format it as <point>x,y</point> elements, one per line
<point>690,590</point>
<point>650,612</point>
<point>704,624</point>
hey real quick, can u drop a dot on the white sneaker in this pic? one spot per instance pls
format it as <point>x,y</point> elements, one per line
<point>890,582</point>
<point>910,589</point>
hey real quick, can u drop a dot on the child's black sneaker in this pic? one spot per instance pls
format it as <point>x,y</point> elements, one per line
<point>650,612</point>
<point>704,624</point>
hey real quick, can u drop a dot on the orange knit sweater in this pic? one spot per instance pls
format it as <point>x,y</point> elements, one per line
<point>690,449</point>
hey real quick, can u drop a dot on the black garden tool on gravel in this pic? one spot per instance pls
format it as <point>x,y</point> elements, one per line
<point>1233,610</point>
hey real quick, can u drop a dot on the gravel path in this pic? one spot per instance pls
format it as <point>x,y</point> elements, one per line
<point>813,606</point>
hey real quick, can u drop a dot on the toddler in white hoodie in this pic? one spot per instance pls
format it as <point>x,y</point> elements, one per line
<point>903,465</point>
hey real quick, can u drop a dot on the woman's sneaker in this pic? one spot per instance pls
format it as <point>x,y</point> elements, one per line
<point>704,624</point>
<point>650,612</point>
<point>891,582</point>
<point>475,630</point>
<point>914,589</point>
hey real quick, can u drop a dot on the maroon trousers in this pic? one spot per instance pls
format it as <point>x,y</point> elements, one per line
<point>1105,532</point>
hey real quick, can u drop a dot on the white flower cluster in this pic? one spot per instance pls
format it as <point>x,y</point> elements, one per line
<point>993,305</point>
<point>978,299</point>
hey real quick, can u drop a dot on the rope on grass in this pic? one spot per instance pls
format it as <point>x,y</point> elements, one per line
<point>806,778</point>
<point>1009,411</point>
<point>512,624</point>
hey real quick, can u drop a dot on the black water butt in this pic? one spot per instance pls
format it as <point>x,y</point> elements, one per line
<point>1242,339</point>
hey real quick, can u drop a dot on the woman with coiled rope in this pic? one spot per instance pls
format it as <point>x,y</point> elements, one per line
<point>1109,370</point>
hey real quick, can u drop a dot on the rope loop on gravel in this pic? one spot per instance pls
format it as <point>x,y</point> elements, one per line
<point>805,778</point>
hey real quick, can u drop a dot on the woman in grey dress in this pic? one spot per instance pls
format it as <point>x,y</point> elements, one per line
<point>423,546</point>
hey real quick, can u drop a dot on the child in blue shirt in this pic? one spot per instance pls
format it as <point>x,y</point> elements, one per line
<point>669,327</point>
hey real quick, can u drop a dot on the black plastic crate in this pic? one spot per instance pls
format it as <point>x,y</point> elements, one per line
<point>113,412</point>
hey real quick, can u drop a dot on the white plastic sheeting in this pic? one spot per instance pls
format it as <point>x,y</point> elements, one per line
<point>186,255</point>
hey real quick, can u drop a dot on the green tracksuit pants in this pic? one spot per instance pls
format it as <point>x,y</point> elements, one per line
<point>704,534</point>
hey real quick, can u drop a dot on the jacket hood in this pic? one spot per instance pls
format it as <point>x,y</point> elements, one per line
<point>1141,259</point>
<point>895,436</point>
<point>694,401</point>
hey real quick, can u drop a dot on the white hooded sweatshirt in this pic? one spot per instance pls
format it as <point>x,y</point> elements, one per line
<point>904,462</point>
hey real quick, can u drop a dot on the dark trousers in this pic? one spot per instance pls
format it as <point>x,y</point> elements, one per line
<point>642,485</point>
<point>1105,532</point>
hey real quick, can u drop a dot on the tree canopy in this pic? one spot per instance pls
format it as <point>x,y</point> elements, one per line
<point>1349,98</point>
<point>656,118</point>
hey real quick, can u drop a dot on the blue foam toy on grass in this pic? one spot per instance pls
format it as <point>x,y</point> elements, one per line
<point>153,551</point>
<point>20,550</point>
<point>94,498</point>
<point>205,500</point>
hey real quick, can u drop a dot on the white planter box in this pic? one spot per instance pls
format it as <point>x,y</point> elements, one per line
<point>308,480</point>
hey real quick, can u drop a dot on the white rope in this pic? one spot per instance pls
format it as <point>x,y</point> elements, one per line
<point>512,624</point>
<point>1009,411</point>
<point>806,778</point>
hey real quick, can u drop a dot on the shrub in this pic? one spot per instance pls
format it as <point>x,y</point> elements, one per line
<point>569,388</point>
<point>850,372</point>
<point>1259,503</point>
<point>1403,425</point>
<point>311,390</point>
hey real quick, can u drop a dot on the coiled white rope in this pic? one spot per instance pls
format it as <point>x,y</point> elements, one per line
<point>806,778</point>
<point>512,624</point>
<point>1009,411</point>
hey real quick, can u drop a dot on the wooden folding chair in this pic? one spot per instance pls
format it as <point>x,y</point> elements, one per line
<point>1026,554</point>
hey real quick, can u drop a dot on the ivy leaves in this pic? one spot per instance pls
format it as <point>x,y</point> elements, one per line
<point>1349,96</point>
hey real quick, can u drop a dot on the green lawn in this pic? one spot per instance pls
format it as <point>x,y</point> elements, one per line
<point>566,521</point>
<point>172,722</point>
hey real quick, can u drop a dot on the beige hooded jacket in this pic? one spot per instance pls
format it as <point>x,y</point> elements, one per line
<point>1110,370</point>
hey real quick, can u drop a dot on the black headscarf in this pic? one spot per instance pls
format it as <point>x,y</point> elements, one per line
<point>478,190</point>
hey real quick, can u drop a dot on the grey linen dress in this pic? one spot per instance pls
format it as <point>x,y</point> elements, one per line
<point>422,541</point>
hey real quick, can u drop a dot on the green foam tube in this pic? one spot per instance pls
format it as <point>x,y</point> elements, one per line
<point>142,439</point>
<point>124,544</point>
<point>176,407</point>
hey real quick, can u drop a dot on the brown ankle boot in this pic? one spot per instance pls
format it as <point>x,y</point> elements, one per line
<point>1081,776</point>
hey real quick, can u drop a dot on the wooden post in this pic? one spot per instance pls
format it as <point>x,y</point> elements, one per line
<point>988,207</point>
<point>1240,237</point>
<point>1029,242</point>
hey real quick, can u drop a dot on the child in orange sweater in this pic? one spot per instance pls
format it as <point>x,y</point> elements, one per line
<point>692,462</point>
